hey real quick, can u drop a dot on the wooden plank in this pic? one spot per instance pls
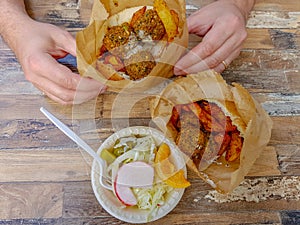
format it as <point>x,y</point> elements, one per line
<point>289,159</point>
<point>259,81</point>
<point>226,218</point>
<point>80,201</point>
<point>277,5</point>
<point>277,104</point>
<point>284,108</point>
<point>260,5</point>
<point>103,220</point>
<point>85,8</point>
<point>266,164</point>
<point>266,60</point>
<point>189,218</point>
<point>3,46</point>
<point>47,134</point>
<point>28,107</point>
<point>258,39</point>
<point>287,132</point>
<point>197,3</point>
<point>293,79</point>
<point>290,217</point>
<point>126,105</point>
<point>30,201</point>
<point>79,195</point>
<point>75,165</point>
<point>274,20</point>
<point>274,103</point>
<point>32,134</point>
<point>264,38</point>
<point>43,165</point>
<point>33,221</point>
<point>21,85</point>
<point>61,13</point>
<point>7,58</point>
<point>285,39</point>
<point>21,107</point>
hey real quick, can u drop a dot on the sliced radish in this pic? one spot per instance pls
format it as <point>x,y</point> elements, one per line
<point>125,195</point>
<point>135,174</point>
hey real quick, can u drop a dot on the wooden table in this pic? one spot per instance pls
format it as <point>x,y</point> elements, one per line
<point>45,179</point>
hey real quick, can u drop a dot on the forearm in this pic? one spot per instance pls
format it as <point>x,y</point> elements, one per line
<point>245,6</point>
<point>13,17</point>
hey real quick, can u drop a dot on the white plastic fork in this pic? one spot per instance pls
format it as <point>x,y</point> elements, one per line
<point>67,131</point>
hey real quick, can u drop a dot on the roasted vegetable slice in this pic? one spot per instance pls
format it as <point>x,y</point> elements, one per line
<point>205,132</point>
<point>137,15</point>
<point>168,17</point>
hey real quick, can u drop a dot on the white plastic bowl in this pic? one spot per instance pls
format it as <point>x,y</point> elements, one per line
<point>108,200</point>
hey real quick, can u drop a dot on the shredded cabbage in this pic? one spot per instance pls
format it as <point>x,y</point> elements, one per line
<point>151,198</point>
<point>143,148</point>
<point>135,149</point>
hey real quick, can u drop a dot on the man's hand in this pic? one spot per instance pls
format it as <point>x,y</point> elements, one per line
<point>38,46</point>
<point>222,24</point>
<point>44,44</point>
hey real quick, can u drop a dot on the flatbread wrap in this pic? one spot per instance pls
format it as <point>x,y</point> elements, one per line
<point>220,128</point>
<point>129,41</point>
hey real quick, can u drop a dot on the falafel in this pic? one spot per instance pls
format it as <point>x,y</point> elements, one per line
<point>117,36</point>
<point>149,24</point>
<point>139,65</point>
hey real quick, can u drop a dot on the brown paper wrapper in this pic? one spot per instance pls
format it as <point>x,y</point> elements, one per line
<point>253,122</point>
<point>106,13</point>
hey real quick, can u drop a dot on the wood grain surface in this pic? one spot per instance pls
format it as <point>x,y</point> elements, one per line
<point>45,177</point>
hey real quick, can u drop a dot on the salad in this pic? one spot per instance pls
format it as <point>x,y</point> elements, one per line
<point>141,172</point>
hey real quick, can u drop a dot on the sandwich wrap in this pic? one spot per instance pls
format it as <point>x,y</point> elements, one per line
<point>246,124</point>
<point>107,13</point>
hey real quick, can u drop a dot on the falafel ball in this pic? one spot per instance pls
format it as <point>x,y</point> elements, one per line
<point>117,36</point>
<point>150,24</point>
<point>139,65</point>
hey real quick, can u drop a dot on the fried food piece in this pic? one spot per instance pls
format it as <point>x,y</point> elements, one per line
<point>117,36</point>
<point>205,133</point>
<point>139,65</point>
<point>220,121</point>
<point>223,141</point>
<point>206,116</point>
<point>190,140</point>
<point>235,147</point>
<point>201,147</point>
<point>175,118</point>
<point>148,23</point>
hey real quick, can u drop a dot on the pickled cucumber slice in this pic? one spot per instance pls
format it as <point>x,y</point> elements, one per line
<point>107,156</point>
